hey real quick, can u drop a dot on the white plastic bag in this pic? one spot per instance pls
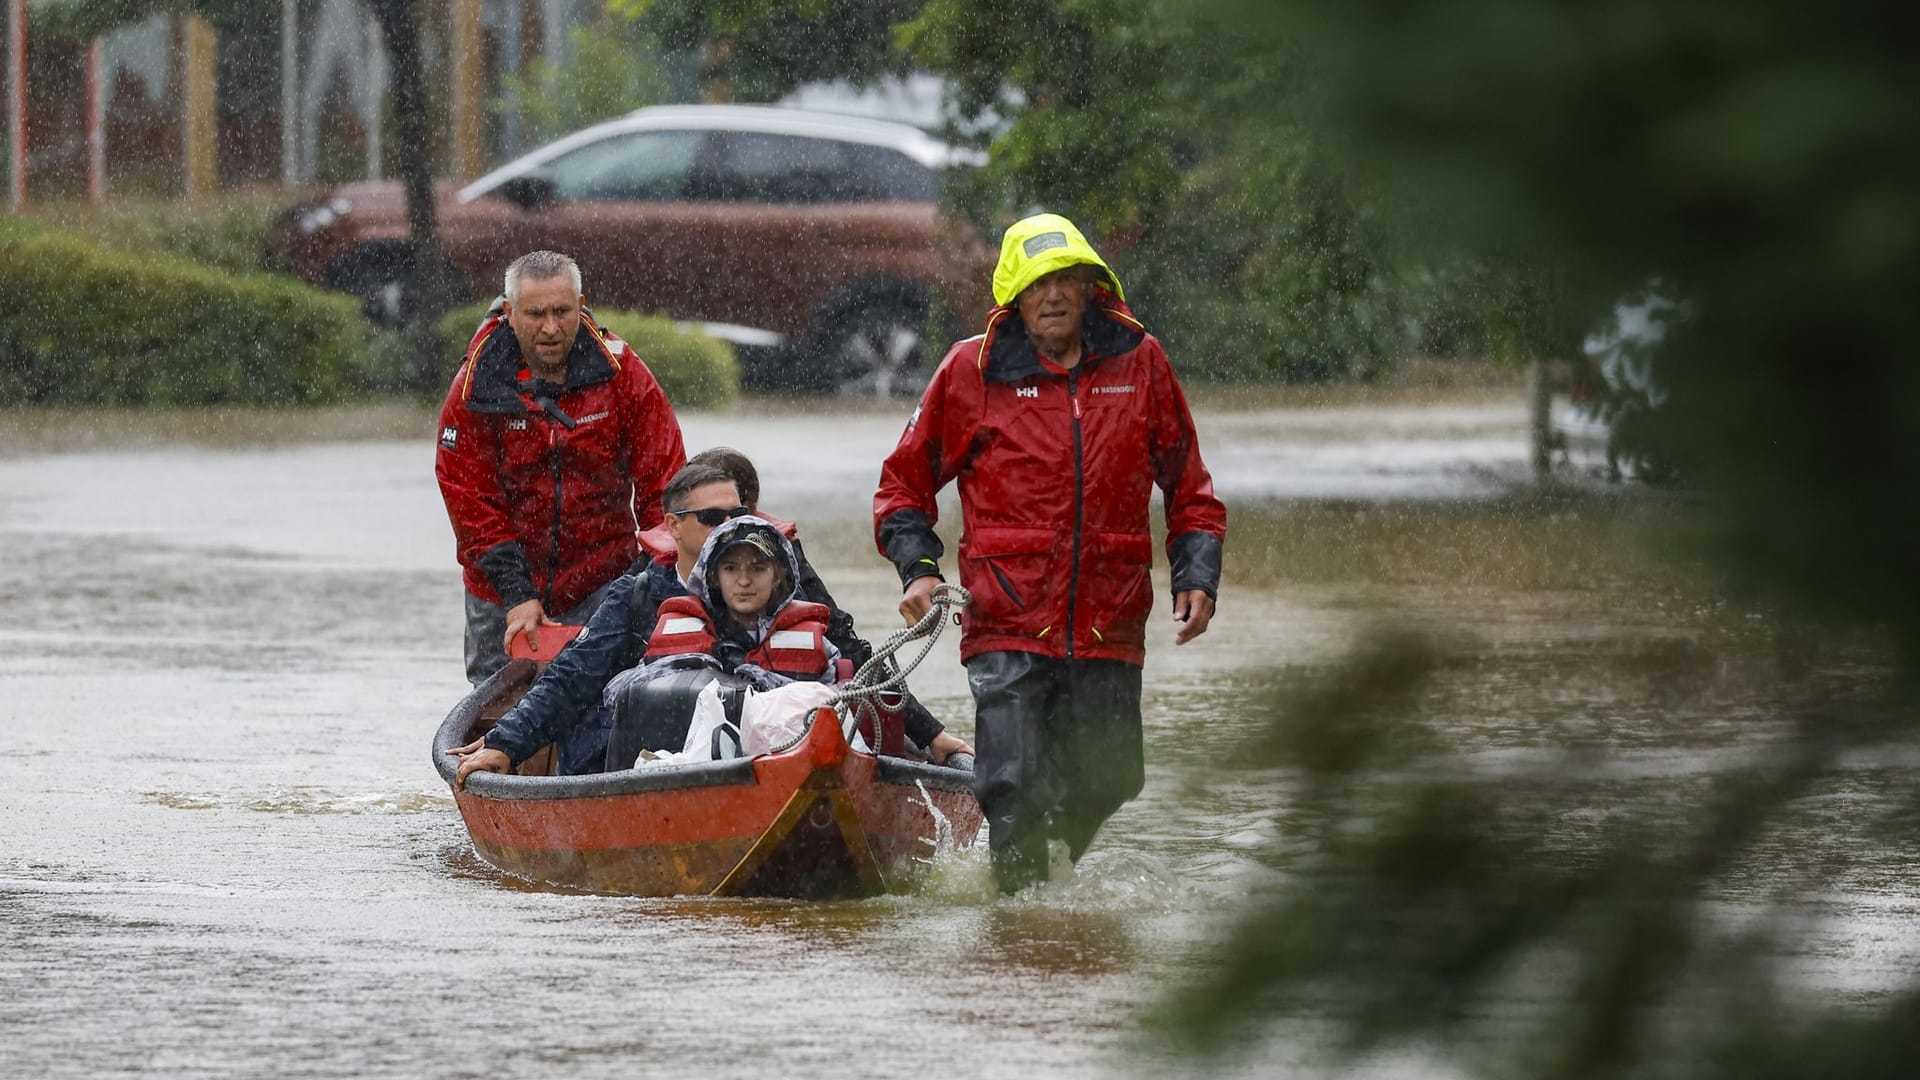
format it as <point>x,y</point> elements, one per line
<point>709,715</point>
<point>774,718</point>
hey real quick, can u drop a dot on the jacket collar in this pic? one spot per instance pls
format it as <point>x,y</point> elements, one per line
<point>1009,355</point>
<point>497,363</point>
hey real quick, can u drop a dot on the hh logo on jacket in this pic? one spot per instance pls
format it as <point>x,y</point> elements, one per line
<point>1027,391</point>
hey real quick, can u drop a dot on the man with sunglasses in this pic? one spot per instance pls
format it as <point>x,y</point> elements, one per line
<point>658,542</point>
<point>711,517</point>
<point>564,705</point>
<point>696,500</point>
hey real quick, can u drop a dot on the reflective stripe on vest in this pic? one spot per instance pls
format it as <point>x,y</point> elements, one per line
<point>682,628</point>
<point>796,644</point>
<point>801,650</point>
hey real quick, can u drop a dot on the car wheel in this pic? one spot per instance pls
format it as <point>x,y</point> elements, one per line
<point>381,281</point>
<point>876,351</point>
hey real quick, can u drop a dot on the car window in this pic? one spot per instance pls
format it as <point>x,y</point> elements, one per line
<point>647,165</point>
<point>755,167</point>
<point>880,173</point>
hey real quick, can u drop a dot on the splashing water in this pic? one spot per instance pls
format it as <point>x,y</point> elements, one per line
<point>942,839</point>
<point>948,872</point>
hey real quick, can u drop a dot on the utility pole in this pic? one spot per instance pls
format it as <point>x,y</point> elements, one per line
<point>289,92</point>
<point>199,107</point>
<point>463,49</point>
<point>16,104</point>
<point>510,65</point>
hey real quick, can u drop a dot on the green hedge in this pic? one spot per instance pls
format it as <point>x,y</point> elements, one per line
<point>227,231</point>
<point>82,324</point>
<point>696,371</point>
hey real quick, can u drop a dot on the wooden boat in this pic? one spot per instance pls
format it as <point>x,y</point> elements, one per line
<point>819,820</point>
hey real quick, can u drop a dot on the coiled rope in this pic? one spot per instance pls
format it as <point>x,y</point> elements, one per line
<point>857,698</point>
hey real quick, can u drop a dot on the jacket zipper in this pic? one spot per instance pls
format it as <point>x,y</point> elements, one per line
<point>1079,508</point>
<point>553,552</point>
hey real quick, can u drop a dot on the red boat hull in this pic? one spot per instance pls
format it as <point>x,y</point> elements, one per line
<point>817,821</point>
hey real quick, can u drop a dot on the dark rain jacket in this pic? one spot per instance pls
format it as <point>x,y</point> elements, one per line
<point>568,692</point>
<point>1056,468</point>
<point>547,486</point>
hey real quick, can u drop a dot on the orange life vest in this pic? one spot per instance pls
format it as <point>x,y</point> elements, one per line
<point>684,628</point>
<point>795,645</point>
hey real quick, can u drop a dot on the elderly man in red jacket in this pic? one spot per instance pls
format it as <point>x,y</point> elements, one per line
<point>1057,423</point>
<point>555,444</point>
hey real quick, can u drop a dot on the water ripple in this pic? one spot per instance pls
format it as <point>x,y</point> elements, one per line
<point>303,800</point>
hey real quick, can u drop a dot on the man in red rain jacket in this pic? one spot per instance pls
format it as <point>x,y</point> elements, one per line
<point>555,444</point>
<point>1057,423</point>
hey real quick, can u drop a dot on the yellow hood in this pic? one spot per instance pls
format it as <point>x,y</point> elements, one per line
<point>1037,246</point>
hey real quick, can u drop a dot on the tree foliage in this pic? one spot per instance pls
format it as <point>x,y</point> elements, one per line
<point>1758,160</point>
<point>1090,135</point>
<point>430,289</point>
<point>615,69</point>
<point>1184,142</point>
<point>1242,242</point>
<point>757,50</point>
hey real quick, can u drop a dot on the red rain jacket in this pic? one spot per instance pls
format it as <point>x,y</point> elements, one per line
<point>538,509</point>
<point>1056,470</point>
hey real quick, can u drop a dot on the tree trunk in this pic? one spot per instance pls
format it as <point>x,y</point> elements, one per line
<point>1539,417</point>
<point>431,292</point>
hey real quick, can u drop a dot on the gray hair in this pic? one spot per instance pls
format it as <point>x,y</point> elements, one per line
<point>539,266</point>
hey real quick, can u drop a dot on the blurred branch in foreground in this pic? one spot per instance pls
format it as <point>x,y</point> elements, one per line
<point>1759,160</point>
<point>1756,157</point>
<point>1548,917</point>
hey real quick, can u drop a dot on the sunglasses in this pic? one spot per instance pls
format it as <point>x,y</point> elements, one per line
<point>712,516</point>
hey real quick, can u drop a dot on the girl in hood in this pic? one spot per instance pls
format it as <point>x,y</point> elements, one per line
<point>742,612</point>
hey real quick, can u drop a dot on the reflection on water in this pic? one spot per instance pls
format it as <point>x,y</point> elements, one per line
<point>1032,936</point>
<point>223,850</point>
<point>305,801</point>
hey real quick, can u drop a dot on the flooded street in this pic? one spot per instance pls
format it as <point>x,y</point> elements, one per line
<point>223,850</point>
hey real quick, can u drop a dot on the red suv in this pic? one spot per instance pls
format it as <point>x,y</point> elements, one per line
<point>812,239</point>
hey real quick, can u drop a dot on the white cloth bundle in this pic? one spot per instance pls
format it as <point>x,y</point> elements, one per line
<point>768,719</point>
<point>776,717</point>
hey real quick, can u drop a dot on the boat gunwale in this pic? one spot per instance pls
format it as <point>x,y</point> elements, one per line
<point>654,778</point>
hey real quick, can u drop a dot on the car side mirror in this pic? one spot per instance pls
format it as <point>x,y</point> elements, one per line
<point>531,192</point>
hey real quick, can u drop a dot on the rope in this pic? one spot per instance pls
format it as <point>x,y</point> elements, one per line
<point>857,696</point>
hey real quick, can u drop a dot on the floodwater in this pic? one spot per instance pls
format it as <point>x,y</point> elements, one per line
<point>223,851</point>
